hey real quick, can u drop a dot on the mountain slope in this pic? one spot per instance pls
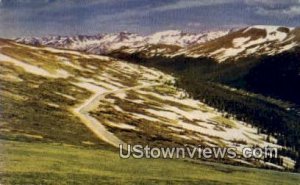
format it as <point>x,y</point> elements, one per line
<point>260,87</point>
<point>251,41</point>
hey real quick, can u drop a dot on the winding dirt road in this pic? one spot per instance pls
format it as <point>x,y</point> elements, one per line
<point>93,124</point>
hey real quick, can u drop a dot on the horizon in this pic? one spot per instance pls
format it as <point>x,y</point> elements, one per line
<point>25,18</point>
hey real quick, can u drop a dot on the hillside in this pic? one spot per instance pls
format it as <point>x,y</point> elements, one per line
<point>46,92</point>
<point>259,88</point>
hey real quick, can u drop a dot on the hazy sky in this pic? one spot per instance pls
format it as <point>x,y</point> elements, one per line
<point>63,17</point>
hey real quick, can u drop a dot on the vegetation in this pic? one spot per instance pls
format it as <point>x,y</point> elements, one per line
<point>33,111</point>
<point>41,163</point>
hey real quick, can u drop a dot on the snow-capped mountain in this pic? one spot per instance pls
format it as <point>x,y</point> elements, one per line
<point>253,40</point>
<point>130,42</point>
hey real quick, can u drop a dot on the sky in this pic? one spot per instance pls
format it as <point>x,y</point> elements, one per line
<point>70,17</point>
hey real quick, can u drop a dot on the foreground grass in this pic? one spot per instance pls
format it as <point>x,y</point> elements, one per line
<point>40,163</point>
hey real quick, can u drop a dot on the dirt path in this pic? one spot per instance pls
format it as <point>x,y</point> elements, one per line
<point>93,124</point>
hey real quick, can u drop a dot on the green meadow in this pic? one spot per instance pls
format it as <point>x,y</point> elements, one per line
<point>46,163</point>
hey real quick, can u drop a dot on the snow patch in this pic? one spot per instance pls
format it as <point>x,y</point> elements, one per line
<point>27,67</point>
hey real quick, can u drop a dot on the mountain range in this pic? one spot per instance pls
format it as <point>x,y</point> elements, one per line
<point>219,45</point>
<point>106,43</point>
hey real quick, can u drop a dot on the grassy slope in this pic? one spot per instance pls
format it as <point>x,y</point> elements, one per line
<point>31,119</point>
<point>40,163</point>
